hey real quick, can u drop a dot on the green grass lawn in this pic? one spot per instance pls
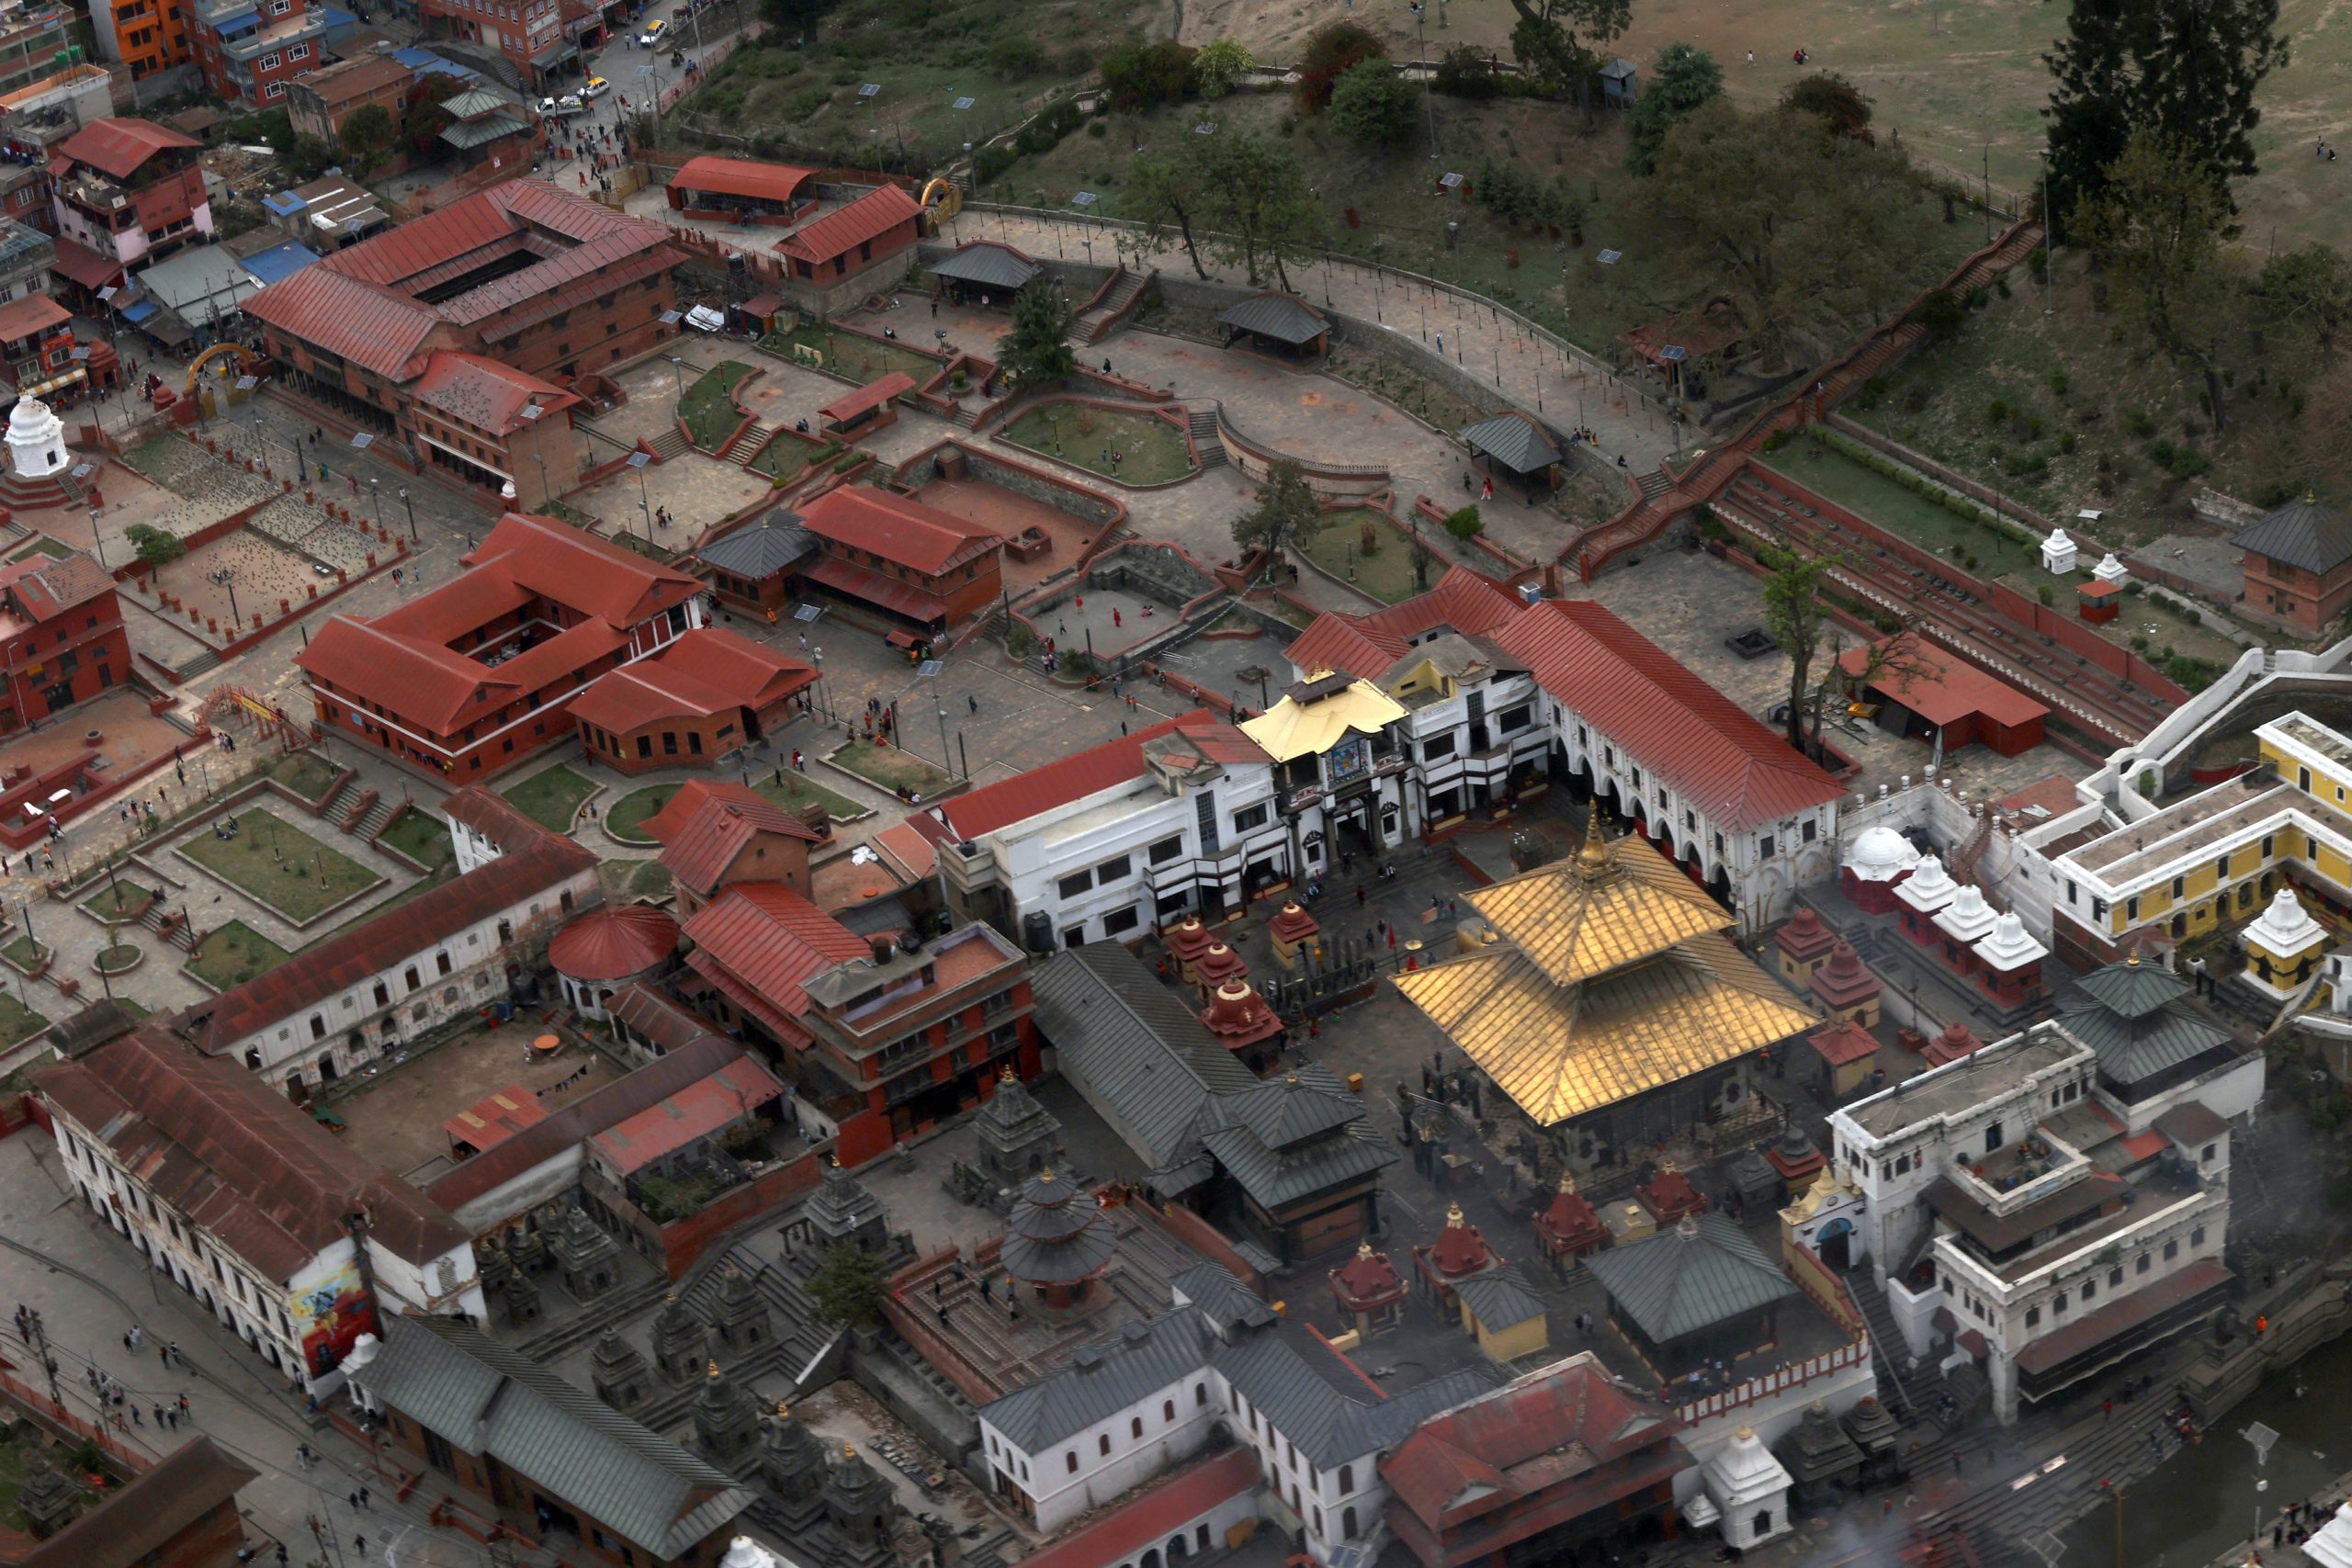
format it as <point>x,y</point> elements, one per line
<point>232,955</point>
<point>861,358</point>
<point>889,767</point>
<point>280,867</point>
<point>420,836</point>
<point>627,879</point>
<point>709,408</point>
<point>23,953</point>
<point>119,902</point>
<point>417,890</point>
<point>786,458</point>
<point>1150,450</point>
<point>42,545</point>
<point>18,1021</point>
<point>551,797</point>
<point>1386,575</point>
<point>307,774</point>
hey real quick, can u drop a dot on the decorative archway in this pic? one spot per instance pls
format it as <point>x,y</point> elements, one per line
<point>224,704</point>
<point>949,197</point>
<point>247,363</point>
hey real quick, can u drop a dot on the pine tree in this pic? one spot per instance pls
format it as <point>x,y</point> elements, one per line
<point>2199,74</point>
<point>2090,108</point>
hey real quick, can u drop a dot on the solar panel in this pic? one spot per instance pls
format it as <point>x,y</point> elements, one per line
<point>1450,179</point>
<point>964,103</point>
<point>930,667</point>
<point>1610,258</point>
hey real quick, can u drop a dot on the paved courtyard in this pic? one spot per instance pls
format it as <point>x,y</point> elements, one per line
<point>394,1110</point>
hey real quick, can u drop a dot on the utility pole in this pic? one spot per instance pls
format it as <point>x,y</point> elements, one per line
<point>37,1332</point>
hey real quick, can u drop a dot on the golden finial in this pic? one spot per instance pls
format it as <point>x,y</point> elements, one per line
<point>712,1366</point>
<point>783,1410</point>
<point>1593,857</point>
<point>1045,1173</point>
<point>1453,1216</point>
<point>1567,1181</point>
<point>1363,1250</point>
<point>1007,1075</point>
<point>849,1450</point>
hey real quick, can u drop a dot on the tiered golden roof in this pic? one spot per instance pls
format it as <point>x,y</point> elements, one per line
<point>1615,980</point>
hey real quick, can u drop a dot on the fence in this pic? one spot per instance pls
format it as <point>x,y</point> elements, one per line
<point>1772,1383</point>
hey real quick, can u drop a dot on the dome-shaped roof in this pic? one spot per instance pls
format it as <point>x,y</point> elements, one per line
<point>31,416</point>
<point>614,944</point>
<point>1880,854</point>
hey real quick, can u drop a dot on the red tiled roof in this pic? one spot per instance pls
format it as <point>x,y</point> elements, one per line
<point>873,395</point>
<point>672,819</point>
<point>352,319</point>
<point>485,394</point>
<point>838,232</point>
<point>154,1509</point>
<point>41,587</point>
<point>87,267</point>
<point>33,313</point>
<point>1365,646</point>
<point>614,944</point>
<point>1665,719</point>
<point>526,208</point>
<point>910,848</point>
<point>354,955</point>
<point>118,147</point>
<point>895,528</point>
<point>1561,1430</point>
<point>584,1117</point>
<point>1041,789</point>
<point>760,941</point>
<point>236,1157</point>
<point>742,176</point>
<point>492,1119</point>
<point>2122,1313</point>
<point>494,817</point>
<point>899,597</point>
<point>1940,686</point>
<point>704,674</point>
<point>1153,1515</point>
<point>1843,1045</point>
<point>699,854</point>
<point>694,1111</point>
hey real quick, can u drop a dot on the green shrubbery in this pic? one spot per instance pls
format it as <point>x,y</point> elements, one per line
<point>1927,488</point>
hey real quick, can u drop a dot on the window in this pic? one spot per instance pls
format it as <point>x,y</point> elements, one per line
<point>1119,921</point>
<point>300,51</point>
<point>2207,1157</point>
<point>2142,1266</point>
<point>270,61</point>
<point>645,746</point>
<point>1437,747</point>
<point>1165,850</point>
<point>669,743</point>
<point>410,975</point>
<point>2115,1278</point>
<point>2090,1290</point>
<point>1992,1137</point>
<point>1347,1478</point>
<point>1515,718</point>
<point>1253,817</point>
<point>1102,1444</point>
<point>1764,847</point>
<point>1168,1411</point>
<point>1072,1458</point>
<point>1200,1395</point>
<point>2172,1249</point>
<point>318,1027</point>
<point>1075,884</point>
<point>1075,936</point>
<point>1135,1428</point>
<point>2033,1317</point>
<point>1118,868</point>
<point>1348,1522</point>
<point>383,994</point>
<point>441,963</point>
<point>2058,1305</point>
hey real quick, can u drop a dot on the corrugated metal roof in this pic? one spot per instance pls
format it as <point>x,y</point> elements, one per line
<point>988,265</point>
<point>2306,534</point>
<point>699,853</point>
<point>1500,1297</point>
<point>770,941</point>
<point>2132,1050</point>
<point>897,528</point>
<point>1212,1288</point>
<point>480,1396</point>
<point>120,146</point>
<point>837,234</point>
<point>775,544</point>
<point>1703,1272</point>
<point>1285,318</point>
<point>1513,440</point>
<point>742,176</point>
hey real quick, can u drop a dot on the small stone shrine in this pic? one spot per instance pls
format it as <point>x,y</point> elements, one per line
<point>1821,1460</point>
<point>618,1373</point>
<point>1016,1137</point>
<point>1878,1438</point>
<point>843,1209</point>
<point>522,1299</point>
<point>1370,1291</point>
<point>1569,1227</point>
<point>680,1341</point>
<point>739,1318</point>
<point>726,1418</point>
<point>48,1500</point>
<point>792,1465</point>
<point>589,1259</point>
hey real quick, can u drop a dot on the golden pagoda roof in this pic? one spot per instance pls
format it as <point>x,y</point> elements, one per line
<point>1563,1051</point>
<point>1614,902</point>
<point>1292,728</point>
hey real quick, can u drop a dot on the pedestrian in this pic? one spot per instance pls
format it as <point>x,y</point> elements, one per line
<point>159,1416</point>
<point>363,1497</point>
<point>359,1544</point>
<point>1441,346</point>
<point>972,701</point>
<point>2107,1410</point>
<point>164,1355</point>
<point>184,1410</point>
<point>173,1416</point>
<point>1359,894</point>
<point>174,1348</point>
<point>134,1417</point>
<point>352,1499</point>
<point>302,1456</point>
<point>1957,1467</point>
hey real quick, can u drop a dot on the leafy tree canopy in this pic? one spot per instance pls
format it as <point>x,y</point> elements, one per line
<point>1682,78</point>
<point>1373,104</point>
<point>1330,52</point>
<point>1036,352</point>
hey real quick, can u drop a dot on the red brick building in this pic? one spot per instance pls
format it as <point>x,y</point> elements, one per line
<point>2297,567</point>
<point>705,696</point>
<point>1536,1471</point>
<point>126,192</point>
<point>851,250</point>
<point>547,284</point>
<point>533,35</point>
<point>882,1040</point>
<point>61,637</point>
<point>716,833</point>
<point>180,1512</point>
<point>322,101</point>
<point>480,673</point>
<point>899,563</point>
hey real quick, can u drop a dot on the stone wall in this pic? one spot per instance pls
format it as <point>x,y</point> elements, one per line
<point>1154,570</point>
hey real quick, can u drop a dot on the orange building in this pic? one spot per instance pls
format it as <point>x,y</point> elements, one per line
<point>900,562</point>
<point>705,696</point>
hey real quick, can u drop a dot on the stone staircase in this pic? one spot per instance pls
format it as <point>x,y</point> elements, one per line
<point>1205,440</point>
<point>1889,1352</point>
<point>1095,324</point>
<point>670,443</point>
<point>376,817</point>
<point>619,1307</point>
<point>179,936</point>
<point>748,440</point>
<point>1654,483</point>
<point>206,661</point>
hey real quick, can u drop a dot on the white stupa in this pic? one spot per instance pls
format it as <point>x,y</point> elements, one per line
<point>2058,553</point>
<point>2283,947</point>
<point>1968,918</point>
<point>36,440</point>
<point>1749,1485</point>
<point>1928,888</point>
<point>1879,853</point>
<point>2109,569</point>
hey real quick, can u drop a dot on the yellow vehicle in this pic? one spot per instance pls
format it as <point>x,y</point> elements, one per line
<point>596,88</point>
<point>655,31</point>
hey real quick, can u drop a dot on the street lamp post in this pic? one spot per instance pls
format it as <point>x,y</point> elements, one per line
<point>375,492</point>
<point>98,544</point>
<point>411,513</point>
<point>1421,64</point>
<point>678,376</point>
<point>227,578</point>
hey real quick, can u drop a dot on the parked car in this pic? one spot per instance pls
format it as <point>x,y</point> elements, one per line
<point>563,108</point>
<point>655,31</point>
<point>596,88</point>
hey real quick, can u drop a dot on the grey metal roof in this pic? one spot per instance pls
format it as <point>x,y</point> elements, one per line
<point>1276,1177</point>
<point>2132,1050</point>
<point>1321,1411</point>
<point>1513,440</point>
<point>1283,317</point>
<point>480,1396</point>
<point>472,133</point>
<point>1132,1048</point>
<point>775,543</point>
<point>1679,1281</point>
<point>1226,1301</point>
<point>985,262</point>
<point>1500,1298</point>
<point>1302,1104</point>
<point>2303,533</point>
<point>2133,989</point>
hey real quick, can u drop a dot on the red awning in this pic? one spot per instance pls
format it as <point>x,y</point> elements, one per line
<point>86,266</point>
<point>871,396</point>
<point>884,592</point>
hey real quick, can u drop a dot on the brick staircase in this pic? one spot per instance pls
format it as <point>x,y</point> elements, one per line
<point>209,659</point>
<point>377,817</point>
<point>748,440</point>
<point>1205,438</point>
<point>547,1344</point>
<point>1654,483</point>
<point>1095,325</point>
<point>670,443</point>
<point>179,936</point>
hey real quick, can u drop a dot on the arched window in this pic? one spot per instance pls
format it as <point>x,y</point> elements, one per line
<point>1200,1394</point>
<point>1347,1478</point>
<point>1168,1410</point>
<point>1348,1523</point>
<point>1134,1428</point>
<point>1103,1443</point>
<point>1072,1458</point>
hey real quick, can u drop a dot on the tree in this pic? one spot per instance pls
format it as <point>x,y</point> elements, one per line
<point>1162,190</point>
<point>1795,613</point>
<point>1036,351</point>
<point>1285,508</point>
<point>1014,56</point>
<point>2158,226</point>
<point>1372,104</point>
<point>1556,42</point>
<point>1831,99</point>
<point>848,1286</point>
<point>153,545</point>
<point>1137,74</point>
<point>1813,236</point>
<point>1683,79</point>
<point>1222,65</point>
<point>1467,72</point>
<point>1255,204</point>
<point>427,115</point>
<point>366,138</point>
<point>2309,290</point>
<point>1333,50</point>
